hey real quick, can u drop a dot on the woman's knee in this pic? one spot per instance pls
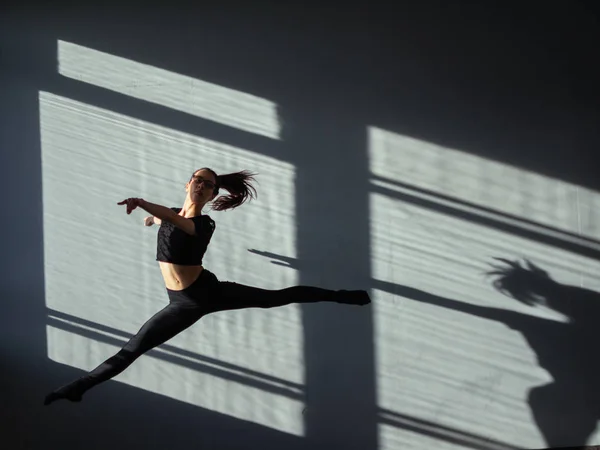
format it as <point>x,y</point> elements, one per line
<point>127,355</point>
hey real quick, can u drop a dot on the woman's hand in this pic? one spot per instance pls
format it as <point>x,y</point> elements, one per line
<point>132,203</point>
<point>149,221</point>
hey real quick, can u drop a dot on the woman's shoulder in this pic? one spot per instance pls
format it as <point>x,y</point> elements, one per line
<point>204,218</point>
<point>208,219</point>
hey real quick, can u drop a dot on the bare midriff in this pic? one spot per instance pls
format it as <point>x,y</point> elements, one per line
<point>179,277</point>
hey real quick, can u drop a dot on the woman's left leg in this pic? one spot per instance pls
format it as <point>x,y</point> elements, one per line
<point>231,296</point>
<point>162,326</point>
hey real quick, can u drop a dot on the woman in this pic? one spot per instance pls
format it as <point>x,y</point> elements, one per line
<point>193,291</point>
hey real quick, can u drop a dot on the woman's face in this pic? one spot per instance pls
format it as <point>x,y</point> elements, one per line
<point>201,187</point>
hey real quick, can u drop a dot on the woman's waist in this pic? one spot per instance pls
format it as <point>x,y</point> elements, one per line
<point>177,276</point>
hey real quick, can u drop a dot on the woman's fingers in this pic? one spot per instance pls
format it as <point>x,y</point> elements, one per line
<point>131,203</point>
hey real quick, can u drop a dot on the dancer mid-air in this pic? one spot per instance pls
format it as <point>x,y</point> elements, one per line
<point>194,291</point>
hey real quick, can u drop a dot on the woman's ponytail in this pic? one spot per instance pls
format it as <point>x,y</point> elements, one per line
<point>238,185</point>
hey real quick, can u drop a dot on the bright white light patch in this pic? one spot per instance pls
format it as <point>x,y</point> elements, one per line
<point>451,350</point>
<point>100,263</point>
<point>182,93</point>
<point>489,184</point>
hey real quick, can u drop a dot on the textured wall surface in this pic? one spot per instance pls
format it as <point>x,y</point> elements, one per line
<point>407,151</point>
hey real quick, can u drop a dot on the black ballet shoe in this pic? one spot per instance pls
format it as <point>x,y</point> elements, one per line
<point>66,392</point>
<point>360,298</point>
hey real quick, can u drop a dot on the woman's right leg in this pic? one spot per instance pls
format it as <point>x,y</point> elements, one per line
<point>164,325</point>
<point>230,296</point>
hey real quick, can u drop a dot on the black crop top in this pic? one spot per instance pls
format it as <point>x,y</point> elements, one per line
<point>176,246</point>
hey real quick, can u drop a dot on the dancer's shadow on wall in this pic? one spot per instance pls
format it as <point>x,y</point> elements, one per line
<point>567,409</point>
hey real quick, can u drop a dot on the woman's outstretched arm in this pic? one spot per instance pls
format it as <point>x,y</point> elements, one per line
<point>485,312</point>
<point>162,212</point>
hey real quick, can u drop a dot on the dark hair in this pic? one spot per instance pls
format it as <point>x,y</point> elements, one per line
<point>239,186</point>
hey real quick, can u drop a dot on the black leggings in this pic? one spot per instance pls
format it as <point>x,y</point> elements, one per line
<point>206,295</point>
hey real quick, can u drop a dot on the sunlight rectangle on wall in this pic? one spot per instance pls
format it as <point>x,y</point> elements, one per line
<point>179,92</point>
<point>450,349</point>
<point>480,182</point>
<point>100,262</point>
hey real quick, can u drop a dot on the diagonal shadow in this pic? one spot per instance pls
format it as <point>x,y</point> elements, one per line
<point>179,356</point>
<point>442,433</point>
<point>166,117</point>
<point>518,226</point>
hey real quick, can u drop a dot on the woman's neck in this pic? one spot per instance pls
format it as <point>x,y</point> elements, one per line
<point>191,209</point>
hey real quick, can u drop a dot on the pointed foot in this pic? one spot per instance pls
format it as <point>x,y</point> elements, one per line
<point>62,394</point>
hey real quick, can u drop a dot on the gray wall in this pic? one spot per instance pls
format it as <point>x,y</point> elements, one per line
<point>514,86</point>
